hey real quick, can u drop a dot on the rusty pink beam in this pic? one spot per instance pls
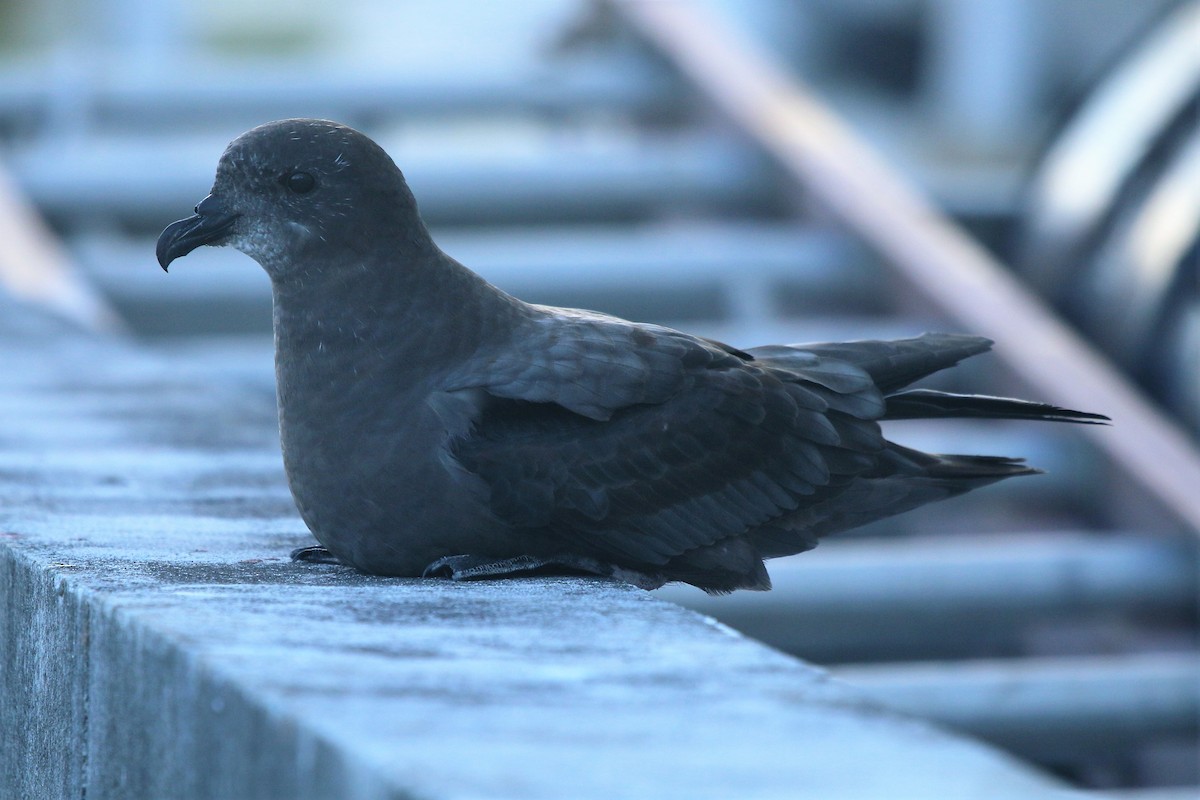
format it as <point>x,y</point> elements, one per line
<point>35,268</point>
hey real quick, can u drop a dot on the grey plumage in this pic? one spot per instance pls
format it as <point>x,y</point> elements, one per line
<point>431,421</point>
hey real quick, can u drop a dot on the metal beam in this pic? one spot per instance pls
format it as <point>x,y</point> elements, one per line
<point>943,576</point>
<point>1059,706</point>
<point>236,94</point>
<point>942,596</point>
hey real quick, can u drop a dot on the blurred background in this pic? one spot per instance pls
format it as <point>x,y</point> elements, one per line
<point>558,154</point>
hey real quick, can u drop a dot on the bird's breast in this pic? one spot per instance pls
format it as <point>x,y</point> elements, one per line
<point>366,455</point>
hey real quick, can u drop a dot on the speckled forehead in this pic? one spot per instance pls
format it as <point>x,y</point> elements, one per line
<point>267,150</point>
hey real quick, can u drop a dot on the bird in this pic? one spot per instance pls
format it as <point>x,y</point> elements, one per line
<point>432,425</point>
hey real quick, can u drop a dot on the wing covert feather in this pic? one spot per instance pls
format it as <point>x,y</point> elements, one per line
<point>646,443</point>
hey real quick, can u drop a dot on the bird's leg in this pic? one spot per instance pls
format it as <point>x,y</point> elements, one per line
<point>314,554</point>
<point>472,568</point>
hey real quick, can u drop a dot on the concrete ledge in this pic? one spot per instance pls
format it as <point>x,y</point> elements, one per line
<point>155,642</point>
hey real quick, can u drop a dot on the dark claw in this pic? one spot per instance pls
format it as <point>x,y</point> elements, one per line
<point>473,568</point>
<point>445,567</point>
<point>465,568</point>
<point>314,554</point>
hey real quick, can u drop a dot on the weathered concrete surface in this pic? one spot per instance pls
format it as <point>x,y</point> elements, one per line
<point>156,643</point>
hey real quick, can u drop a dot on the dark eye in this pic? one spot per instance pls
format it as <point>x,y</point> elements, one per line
<point>300,182</point>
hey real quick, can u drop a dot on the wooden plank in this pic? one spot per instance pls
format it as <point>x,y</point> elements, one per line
<point>966,282</point>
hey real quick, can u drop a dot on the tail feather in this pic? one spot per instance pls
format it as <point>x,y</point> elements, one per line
<point>967,470</point>
<point>970,469</point>
<point>931,404</point>
<point>895,364</point>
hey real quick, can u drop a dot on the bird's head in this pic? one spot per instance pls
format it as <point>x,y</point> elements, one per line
<point>289,188</point>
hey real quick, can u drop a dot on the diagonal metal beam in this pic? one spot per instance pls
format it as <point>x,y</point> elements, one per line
<point>820,151</point>
<point>34,266</point>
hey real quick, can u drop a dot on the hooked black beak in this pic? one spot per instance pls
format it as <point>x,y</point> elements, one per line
<point>209,225</point>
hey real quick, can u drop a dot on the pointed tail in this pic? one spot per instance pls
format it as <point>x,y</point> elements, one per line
<point>930,404</point>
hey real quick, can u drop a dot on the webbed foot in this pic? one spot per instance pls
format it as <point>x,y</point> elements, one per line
<point>473,568</point>
<point>314,554</point>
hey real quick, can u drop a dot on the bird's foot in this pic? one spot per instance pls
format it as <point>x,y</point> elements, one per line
<point>473,568</point>
<point>314,554</point>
